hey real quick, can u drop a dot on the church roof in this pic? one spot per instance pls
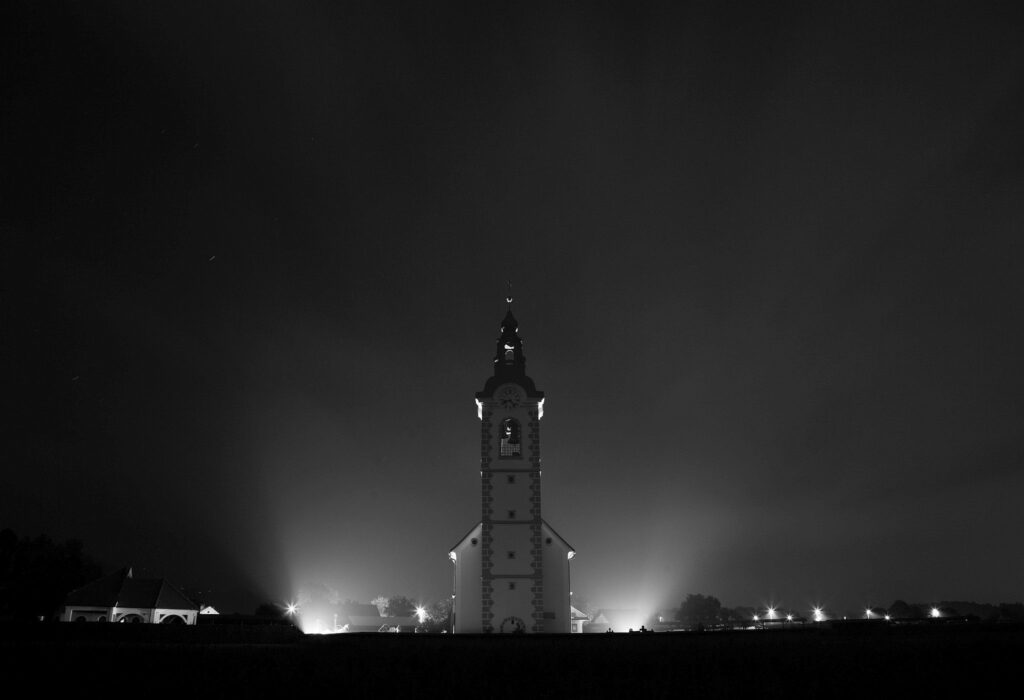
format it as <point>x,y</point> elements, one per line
<point>139,593</point>
<point>102,592</point>
<point>562,539</point>
<point>464,538</point>
<point>122,589</point>
<point>170,597</point>
<point>544,522</point>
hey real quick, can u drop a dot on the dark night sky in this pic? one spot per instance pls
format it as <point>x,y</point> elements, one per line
<point>767,268</point>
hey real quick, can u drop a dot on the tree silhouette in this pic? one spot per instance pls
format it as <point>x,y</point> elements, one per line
<point>37,574</point>
<point>901,610</point>
<point>269,610</point>
<point>400,606</point>
<point>1013,612</point>
<point>741,614</point>
<point>699,609</point>
<point>439,616</point>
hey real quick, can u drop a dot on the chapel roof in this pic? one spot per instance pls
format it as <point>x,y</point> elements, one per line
<point>122,589</point>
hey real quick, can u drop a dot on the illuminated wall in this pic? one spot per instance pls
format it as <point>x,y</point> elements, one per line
<point>557,617</point>
<point>467,582</point>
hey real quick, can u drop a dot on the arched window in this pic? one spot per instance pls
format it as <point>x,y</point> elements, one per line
<point>510,438</point>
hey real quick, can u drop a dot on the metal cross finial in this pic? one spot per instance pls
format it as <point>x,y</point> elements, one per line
<point>508,299</point>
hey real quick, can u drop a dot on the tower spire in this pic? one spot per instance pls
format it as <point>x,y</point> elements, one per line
<point>508,359</point>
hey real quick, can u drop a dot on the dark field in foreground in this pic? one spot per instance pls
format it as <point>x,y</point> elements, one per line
<point>927,660</point>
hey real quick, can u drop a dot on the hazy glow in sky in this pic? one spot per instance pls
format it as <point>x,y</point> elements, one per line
<point>766,266</point>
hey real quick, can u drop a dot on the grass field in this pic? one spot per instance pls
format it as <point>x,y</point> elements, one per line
<point>859,661</point>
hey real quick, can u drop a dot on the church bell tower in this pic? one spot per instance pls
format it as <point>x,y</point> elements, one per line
<point>512,568</point>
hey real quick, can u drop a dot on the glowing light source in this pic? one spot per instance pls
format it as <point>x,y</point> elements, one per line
<point>540,409</point>
<point>887,617</point>
<point>292,608</point>
<point>789,618</point>
<point>571,554</point>
<point>819,614</point>
<point>756,618</point>
<point>935,612</point>
<point>421,614</point>
<point>452,556</point>
<point>479,409</point>
<point>771,613</point>
<point>867,613</point>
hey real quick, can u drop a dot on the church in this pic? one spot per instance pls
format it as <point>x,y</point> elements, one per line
<point>511,568</point>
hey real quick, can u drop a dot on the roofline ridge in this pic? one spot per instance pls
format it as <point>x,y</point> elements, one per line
<point>553,530</point>
<point>463,538</point>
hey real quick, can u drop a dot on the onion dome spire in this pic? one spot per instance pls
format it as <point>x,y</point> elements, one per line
<point>509,360</point>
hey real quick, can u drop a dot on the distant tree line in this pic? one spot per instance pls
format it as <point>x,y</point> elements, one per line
<point>1006,612</point>
<point>701,611</point>
<point>36,574</point>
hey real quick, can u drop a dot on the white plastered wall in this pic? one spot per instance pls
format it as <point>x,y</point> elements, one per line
<point>467,584</point>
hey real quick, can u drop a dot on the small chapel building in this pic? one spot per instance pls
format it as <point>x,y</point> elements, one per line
<point>120,597</point>
<point>511,568</point>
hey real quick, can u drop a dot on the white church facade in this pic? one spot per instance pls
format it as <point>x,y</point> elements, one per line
<point>511,568</point>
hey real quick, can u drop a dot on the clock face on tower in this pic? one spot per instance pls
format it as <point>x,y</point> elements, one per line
<point>509,396</point>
